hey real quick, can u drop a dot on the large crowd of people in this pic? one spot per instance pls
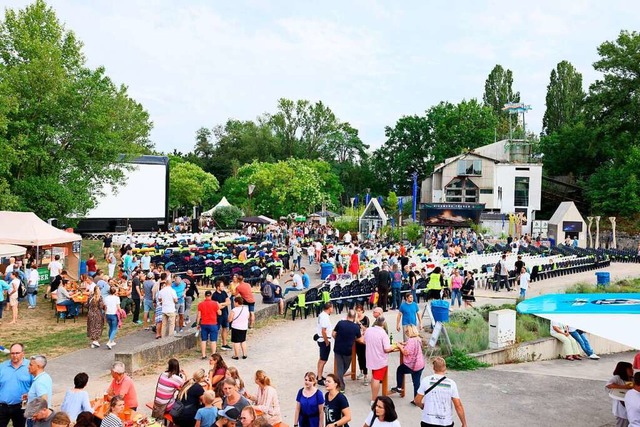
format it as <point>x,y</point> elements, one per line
<point>161,302</point>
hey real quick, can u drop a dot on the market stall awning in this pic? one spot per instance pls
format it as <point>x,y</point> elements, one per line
<point>11,250</point>
<point>25,228</point>
<point>256,220</point>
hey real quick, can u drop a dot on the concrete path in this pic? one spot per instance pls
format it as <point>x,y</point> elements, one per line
<point>550,393</point>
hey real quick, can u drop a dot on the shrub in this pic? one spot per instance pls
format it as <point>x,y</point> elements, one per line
<point>622,286</point>
<point>460,361</point>
<point>226,216</point>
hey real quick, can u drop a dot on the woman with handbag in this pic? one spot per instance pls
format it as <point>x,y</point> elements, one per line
<point>188,402</point>
<point>169,382</point>
<point>239,321</point>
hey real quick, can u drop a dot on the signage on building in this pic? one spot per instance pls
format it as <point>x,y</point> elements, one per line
<point>450,214</point>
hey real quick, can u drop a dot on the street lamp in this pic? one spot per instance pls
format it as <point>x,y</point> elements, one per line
<point>414,175</point>
<point>250,189</point>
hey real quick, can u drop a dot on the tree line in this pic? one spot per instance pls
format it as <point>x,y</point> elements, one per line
<point>65,129</point>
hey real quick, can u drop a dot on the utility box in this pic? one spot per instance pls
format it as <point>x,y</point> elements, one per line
<point>502,328</point>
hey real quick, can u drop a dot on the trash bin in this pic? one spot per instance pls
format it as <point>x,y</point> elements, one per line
<point>83,267</point>
<point>440,310</point>
<point>326,268</point>
<point>603,278</point>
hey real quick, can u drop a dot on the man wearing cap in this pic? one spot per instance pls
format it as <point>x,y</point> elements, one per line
<point>207,321</point>
<point>297,283</point>
<point>15,381</point>
<point>228,417</point>
<point>38,413</point>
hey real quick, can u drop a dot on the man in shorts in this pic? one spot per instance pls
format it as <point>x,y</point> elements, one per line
<point>147,302</point>
<point>222,298</point>
<point>377,354</point>
<point>323,334</point>
<point>207,320</point>
<point>180,287</point>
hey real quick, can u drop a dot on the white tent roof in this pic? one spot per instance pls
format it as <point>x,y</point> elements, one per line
<point>25,228</point>
<point>11,250</point>
<point>374,205</point>
<point>222,203</point>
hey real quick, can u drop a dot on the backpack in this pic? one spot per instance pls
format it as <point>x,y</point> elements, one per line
<point>22,288</point>
<point>267,291</point>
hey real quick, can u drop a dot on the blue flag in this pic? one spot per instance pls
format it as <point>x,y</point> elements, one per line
<point>400,204</point>
<point>355,202</point>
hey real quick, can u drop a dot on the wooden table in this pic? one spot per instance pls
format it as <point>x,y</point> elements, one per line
<point>126,415</point>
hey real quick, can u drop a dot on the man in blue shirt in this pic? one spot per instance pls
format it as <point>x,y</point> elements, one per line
<point>42,385</point>
<point>408,314</point>
<point>15,381</point>
<point>180,287</point>
<point>306,281</point>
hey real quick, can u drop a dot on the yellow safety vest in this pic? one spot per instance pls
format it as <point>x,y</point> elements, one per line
<point>434,282</point>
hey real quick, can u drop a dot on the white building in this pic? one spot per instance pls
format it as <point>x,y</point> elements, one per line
<point>501,176</point>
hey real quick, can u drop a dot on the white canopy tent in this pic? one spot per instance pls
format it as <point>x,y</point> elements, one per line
<point>26,229</point>
<point>222,203</point>
<point>11,250</point>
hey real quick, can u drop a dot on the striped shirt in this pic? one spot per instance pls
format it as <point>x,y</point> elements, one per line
<point>167,387</point>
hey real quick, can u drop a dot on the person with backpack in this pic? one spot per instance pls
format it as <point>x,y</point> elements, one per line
<point>272,294</point>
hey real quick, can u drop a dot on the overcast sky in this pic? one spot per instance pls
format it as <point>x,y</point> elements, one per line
<point>198,63</point>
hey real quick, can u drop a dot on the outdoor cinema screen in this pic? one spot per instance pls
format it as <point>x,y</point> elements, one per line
<point>572,226</point>
<point>143,193</point>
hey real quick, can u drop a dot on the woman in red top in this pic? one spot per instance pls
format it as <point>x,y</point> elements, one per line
<point>354,263</point>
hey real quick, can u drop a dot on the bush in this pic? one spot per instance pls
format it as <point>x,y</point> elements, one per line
<point>226,216</point>
<point>460,361</point>
<point>469,333</point>
<point>345,225</point>
<point>413,232</point>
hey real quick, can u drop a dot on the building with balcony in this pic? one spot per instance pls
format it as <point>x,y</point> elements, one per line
<point>503,176</point>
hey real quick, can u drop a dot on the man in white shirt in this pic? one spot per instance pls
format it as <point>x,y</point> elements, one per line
<point>323,332</point>
<point>55,268</point>
<point>437,397</point>
<point>168,300</point>
<point>632,402</point>
<point>297,283</point>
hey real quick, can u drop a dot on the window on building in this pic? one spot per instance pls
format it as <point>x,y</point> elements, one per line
<point>461,190</point>
<point>470,167</point>
<point>486,191</point>
<point>521,196</point>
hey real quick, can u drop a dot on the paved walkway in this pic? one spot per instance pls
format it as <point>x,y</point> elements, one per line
<point>550,393</point>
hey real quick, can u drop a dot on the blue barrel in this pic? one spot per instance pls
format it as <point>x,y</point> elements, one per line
<point>440,310</point>
<point>83,267</point>
<point>326,268</point>
<point>603,277</point>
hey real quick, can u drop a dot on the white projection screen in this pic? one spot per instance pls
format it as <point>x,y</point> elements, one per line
<point>141,201</point>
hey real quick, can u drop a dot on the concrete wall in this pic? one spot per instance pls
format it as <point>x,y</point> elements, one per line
<point>543,349</point>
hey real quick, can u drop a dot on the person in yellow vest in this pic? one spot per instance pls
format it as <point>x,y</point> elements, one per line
<point>435,284</point>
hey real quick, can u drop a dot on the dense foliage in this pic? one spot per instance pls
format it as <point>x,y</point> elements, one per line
<point>65,129</point>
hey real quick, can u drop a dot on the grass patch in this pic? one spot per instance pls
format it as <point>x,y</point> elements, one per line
<point>469,329</point>
<point>622,286</point>
<point>460,361</point>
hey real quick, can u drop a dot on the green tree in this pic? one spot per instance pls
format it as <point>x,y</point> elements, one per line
<point>565,98</point>
<point>189,185</point>
<point>419,143</point>
<point>391,204</point>
<point>226,216</point>
<point>284,187</point>
<point>69,128</point>
<point>498,90</point>
<point>613,104</point>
